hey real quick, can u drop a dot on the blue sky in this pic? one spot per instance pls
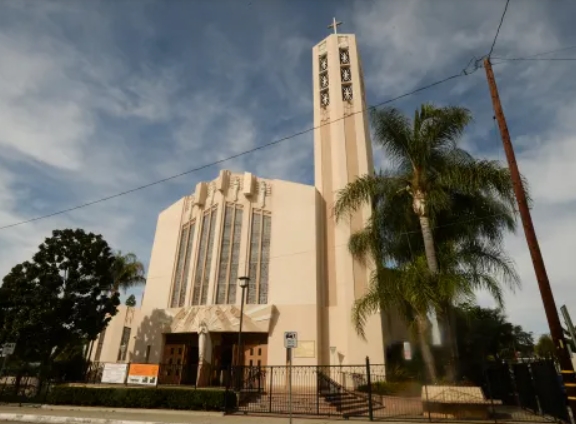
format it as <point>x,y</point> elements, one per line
<point>102,96</point>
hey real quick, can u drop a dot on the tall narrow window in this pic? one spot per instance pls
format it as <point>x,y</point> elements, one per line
<point>101,338</point>
<point>229,254</point>
<point>259,258</point>
<point>188,260</point>
<point>124,340</point>
<point>182,266</point>
<point>202,275</point>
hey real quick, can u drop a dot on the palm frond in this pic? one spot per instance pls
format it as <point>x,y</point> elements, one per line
<point>355,195</point>
<point>393,133</point>
<point>127,271</point>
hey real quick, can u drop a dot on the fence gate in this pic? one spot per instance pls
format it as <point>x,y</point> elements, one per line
<point>550,390</point>
<point>534,386</point>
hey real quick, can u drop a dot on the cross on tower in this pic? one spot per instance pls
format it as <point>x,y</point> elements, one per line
<point>335,25</point>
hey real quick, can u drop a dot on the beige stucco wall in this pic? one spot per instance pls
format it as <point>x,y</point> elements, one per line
<point>293,266</point>
<point>125,317</point>
<point>161,267</point>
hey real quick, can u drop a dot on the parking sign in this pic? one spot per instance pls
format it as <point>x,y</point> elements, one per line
<point>290,339</point>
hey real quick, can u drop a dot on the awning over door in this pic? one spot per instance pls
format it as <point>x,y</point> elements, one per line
<point>222,318</point>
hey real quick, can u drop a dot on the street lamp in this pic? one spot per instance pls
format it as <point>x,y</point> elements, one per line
<point>243,283</point>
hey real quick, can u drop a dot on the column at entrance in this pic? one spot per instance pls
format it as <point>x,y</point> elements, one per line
<point>204,356</point>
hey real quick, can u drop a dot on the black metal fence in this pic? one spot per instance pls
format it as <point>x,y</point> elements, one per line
<point>23,385</point>
<point>528,392</point>
<point>523,391</point>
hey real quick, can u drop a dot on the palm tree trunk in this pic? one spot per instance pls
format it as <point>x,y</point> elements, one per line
<point>449,323</point>
<point>446,314</point>
<point>419,206</point>
<point>422,323</point>
<point>429,248</point>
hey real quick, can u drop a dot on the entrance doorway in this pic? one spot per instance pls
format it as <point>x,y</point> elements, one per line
<point>180,359</point>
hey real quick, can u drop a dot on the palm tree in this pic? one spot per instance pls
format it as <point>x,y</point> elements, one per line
<point>432,181</point>
<point>127,272</point>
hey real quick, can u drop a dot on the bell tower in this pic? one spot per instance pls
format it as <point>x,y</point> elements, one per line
<point>342,152</point>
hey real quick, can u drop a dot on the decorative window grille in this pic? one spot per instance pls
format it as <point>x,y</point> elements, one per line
<point>185,252</point>
<point>259,258</point>
<point>344,56</point>
<point>202,275</point>
<point>345,75</point>
<point>229,255</point>
<point>324,81</point>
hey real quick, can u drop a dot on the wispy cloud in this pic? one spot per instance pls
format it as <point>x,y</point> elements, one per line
<point>99,97</point>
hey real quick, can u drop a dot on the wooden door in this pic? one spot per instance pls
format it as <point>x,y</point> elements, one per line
<point>255,355</point>
<point>172,370</point>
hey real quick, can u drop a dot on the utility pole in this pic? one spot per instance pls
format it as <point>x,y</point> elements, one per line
<point>541,276</point>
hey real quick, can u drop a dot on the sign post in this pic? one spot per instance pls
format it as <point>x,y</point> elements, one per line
<point>290,342</point>
<point>7,350</point>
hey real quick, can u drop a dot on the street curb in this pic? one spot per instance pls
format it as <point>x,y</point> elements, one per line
<point>132,410</point>
<point>177,416</point>
<point>53,419</point>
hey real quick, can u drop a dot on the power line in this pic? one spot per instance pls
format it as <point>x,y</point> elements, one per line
<point>338,246</point>
<point>464,72</point>
<point>499,26</point>
<point>562,49</point>
<point>536,58</point>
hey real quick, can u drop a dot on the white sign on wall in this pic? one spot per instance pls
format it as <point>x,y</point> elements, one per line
<point>8,348</point>
<point>290,339</point>
<point>407,351</point>
<point>114,373</point>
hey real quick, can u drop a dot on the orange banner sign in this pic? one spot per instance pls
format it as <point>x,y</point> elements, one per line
<point>143,374</point>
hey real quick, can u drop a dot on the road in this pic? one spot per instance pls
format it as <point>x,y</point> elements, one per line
<point>80,415</point>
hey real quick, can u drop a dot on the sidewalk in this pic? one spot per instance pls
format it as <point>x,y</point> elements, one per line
<point>50,414</point>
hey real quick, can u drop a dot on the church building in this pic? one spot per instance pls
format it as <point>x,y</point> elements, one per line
<point>277,238</point>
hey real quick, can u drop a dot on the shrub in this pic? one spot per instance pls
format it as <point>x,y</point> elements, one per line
<point>151,398</point>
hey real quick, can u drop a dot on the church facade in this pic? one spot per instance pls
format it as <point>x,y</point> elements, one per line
<point>280,238</point>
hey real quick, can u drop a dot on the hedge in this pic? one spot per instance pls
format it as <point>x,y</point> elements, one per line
<point>151,398</point>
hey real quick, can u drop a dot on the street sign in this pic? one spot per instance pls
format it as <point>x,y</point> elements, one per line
<point>8,349</point>
<point>290,339</point>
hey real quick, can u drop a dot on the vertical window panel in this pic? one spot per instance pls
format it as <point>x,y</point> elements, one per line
<point>124,341</point>
<point>224,256</point>
<point>188,260</point>
<point>254,257</point>
<point>202,274</point>
<point>179,265</point>
<point>235,260</point>
<point>264,260</point>
<point>259,258</point>
<point>229,254</point>
<point>207,267</point>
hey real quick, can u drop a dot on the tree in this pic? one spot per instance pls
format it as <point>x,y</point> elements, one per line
<point>433,183</point>
<point>485,335</point>
<point>545,347</point>
<point>127,272</point>
<point>60,298</point>
<point>131,301</point>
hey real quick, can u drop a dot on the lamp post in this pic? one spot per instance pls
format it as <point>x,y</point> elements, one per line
<point>243,285</point>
